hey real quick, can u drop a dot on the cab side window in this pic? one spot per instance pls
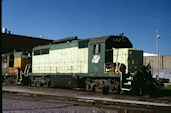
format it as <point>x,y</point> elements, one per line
<point>4,59</point>
<point>11,60</point>
<point>96,49</point>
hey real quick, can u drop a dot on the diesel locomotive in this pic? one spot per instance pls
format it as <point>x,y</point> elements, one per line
<point>15,65</point>
<point>104,64</point>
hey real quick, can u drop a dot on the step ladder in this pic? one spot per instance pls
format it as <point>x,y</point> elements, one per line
<point>26,70</point>
<point>127,85</point>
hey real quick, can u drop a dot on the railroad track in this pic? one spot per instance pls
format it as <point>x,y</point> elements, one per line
<point>80,92</point>
<point>71,102</point>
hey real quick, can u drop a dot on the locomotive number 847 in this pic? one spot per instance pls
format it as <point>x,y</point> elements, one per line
<point>105,64</point>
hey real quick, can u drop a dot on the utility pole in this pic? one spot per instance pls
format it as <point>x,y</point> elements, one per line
<point>158,58</point>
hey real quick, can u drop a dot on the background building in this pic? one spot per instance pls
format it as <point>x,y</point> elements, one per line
<point>11,42</point>
<point>165,65</point>
<point>16,51</point>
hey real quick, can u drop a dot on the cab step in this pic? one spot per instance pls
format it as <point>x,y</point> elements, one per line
<point>125,89</point>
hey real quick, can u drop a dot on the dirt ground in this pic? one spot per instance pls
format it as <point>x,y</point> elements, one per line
<point>19,99</point>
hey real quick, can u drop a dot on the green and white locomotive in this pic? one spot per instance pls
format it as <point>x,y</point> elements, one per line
<point>107,63</point>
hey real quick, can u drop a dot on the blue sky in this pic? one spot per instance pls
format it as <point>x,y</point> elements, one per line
<point>55,19</point>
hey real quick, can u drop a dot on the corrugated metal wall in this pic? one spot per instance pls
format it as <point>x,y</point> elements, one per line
<point>165,65</point>
<point>165,61</point>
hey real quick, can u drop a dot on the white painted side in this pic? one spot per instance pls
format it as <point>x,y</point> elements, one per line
<point>83,60</point>
<point>68,60</point>
<point>40,63</point>
<point>121,56</point>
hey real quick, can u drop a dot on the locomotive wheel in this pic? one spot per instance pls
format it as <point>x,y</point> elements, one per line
<point>94,88</point>
<point>49,83</point>
<point>139,91</point>
<point>105,90</point>
<point>122,92</point>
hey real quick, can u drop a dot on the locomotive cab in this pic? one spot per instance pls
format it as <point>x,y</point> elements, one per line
<point>107,55</point>
<point>126,60</point>
<point>112,62</point>
<point>13,65</point>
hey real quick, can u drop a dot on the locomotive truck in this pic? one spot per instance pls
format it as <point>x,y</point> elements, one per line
<point>104,64</point>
